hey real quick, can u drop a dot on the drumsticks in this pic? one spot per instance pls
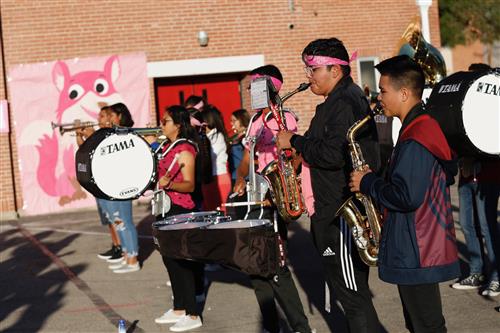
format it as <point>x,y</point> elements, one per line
<point>176,157</point>
<point>244,203</point>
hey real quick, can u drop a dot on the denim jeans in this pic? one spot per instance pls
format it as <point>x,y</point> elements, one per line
<point>120,214</point>
<point>467,193</point>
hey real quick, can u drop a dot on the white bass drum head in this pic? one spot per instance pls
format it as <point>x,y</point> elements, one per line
<point>123,165</point>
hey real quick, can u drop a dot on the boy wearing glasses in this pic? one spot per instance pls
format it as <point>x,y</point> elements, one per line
<point>324,150</point>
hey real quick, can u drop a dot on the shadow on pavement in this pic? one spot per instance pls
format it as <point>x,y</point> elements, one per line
<point>30,282</point>
<point>307,267</point>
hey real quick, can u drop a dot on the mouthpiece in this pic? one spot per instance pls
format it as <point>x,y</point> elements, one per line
<point>303,86</point>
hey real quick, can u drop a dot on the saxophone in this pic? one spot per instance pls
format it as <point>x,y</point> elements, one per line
<point>284,183</point>
<point>365,228</point>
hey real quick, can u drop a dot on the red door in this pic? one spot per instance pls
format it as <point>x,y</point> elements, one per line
<point>223,91</point>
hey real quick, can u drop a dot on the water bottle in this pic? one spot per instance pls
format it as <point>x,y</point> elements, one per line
<point>121,326</point>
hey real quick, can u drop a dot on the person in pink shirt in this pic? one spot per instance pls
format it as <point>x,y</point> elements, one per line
<point>264,127</point>
<point>176,176</point>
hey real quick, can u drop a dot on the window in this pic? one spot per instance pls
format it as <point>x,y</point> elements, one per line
<point>367,74</point>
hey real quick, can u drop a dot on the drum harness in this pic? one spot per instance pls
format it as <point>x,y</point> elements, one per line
<point>161,200</point>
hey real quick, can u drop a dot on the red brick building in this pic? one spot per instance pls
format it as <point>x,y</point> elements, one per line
<point>242,34</point>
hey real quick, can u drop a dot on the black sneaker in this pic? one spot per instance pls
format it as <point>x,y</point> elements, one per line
<point>492,290</point>
<point>117,255</point>
<point>473,281</point>
<point>108,254</point>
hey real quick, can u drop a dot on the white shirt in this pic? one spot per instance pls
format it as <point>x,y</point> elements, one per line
<point>218,152</point>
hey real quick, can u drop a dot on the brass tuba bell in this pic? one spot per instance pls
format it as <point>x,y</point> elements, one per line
<point>429,58</point>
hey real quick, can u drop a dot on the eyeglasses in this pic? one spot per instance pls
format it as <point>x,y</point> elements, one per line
<point>309,70</point>
<point>165,121</point>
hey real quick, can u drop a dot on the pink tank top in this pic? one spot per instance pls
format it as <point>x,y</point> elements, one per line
<point>181,199</point>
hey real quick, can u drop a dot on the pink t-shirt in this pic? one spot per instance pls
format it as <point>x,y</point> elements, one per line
<point>181,199</point>
<point>266,130</point>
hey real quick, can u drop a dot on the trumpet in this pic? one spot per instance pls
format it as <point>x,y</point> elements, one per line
<point>71,127</point>
<point>150,131</point>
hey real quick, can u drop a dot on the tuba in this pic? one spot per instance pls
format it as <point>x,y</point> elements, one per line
<point>428,57</point>
<point>358,211</point>
<point>284,183</point>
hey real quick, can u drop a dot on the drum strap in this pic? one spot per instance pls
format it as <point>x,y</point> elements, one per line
<point>281,246</point>
<point>175,143</point>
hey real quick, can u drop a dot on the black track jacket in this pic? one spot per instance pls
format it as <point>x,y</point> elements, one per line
<point>324,145</point>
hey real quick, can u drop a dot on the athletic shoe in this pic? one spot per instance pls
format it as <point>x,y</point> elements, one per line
<point>492,290</point>
<point>473,281</point>
<point>116,257</point>
<point>128,269</point>
<point>118,265</point>
<point>108,254</point>
<point>168,317</point>
<point>186,323</point>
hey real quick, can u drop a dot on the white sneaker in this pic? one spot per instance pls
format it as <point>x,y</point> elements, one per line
<point>186,323</point>
<point>128,269</point>
<point>118,265</point>
<point>168,317</point>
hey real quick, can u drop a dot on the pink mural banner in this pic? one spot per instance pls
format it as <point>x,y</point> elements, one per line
<point>61,92</point>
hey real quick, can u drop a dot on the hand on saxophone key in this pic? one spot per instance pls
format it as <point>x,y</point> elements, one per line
<point>283,140</point>
<point>357,176</point>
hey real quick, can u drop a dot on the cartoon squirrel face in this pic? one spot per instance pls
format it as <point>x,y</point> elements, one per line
<point>83,94</point>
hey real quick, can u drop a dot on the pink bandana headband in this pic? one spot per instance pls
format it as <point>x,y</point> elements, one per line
<point>311,60</point>
<point>276,83</point>
<point>198,106</point>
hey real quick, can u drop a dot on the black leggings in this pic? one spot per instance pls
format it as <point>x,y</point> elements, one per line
<point>187,276</point>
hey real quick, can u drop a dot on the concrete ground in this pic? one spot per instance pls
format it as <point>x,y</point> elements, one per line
<point>52,281</point>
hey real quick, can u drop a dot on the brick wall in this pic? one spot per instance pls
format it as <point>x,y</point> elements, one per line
<point>45,30</point>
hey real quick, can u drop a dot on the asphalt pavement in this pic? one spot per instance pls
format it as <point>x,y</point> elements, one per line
<point>52,281</point>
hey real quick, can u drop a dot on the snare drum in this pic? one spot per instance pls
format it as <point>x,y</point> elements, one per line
<point>467,107</point>
<point>238,224</point>
<point>192,217</point>
<point>115,164</point>
<point>249,246</point>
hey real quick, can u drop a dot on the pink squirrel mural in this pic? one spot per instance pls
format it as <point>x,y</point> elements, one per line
<point>62,92</point>
<point>80,97</point>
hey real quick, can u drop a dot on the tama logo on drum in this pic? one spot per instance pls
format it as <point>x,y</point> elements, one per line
<point>488,88</point>
<point>128,191</point>
<point>82,167</point>
<point>449,88</point>
<point>116,147</point>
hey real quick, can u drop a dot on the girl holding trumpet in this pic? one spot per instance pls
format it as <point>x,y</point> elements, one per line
<point>117,214</point>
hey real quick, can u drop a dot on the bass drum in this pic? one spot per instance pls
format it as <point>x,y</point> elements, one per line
<point>115,164</point>
<point>467,107</point>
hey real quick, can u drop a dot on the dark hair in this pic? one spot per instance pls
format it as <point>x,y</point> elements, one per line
<point>329,47</point>
<point>213,118</point>
<point>404,72</point>
<point>243,117</point>
<point>180,116</point>
<point>269,70</point>
<point>123,113</point>
<point>192,100</point>
<point>479,67</point>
